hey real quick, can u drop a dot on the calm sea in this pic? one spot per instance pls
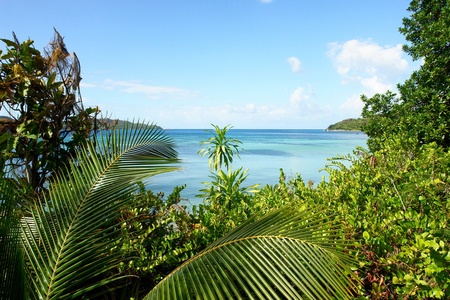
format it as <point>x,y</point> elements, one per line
<point>302,151</point>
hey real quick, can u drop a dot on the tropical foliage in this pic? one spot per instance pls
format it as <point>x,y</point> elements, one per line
<point>11,258</point>
<point>219,148</point>
<point>98,232</point>
<point>227,202</point>
<point>67,236</point>
<point>44,120</point>
<point>157,235</point>
<point>396,204</point>
<point>403,185</point>
<point>421,110</point>
<point>70,239</point>
<point>289,253</point>
<point>348,125</point>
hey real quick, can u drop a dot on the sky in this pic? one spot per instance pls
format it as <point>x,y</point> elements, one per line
<point>292,64</point>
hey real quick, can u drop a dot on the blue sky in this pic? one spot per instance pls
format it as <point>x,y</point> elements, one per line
<point>248,63</point>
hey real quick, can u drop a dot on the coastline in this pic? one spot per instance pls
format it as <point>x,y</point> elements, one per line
<point>343,130</point>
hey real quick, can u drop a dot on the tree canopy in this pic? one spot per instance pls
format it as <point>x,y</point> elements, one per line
<point>43,120</point>
<point>347,125</point>
<point>422,108</point>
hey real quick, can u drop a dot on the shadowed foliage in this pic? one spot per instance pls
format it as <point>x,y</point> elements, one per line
<point>68,235</point>
<point>290,253</point>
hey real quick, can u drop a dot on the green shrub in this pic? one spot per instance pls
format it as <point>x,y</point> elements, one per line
<point>157,236</point>
<point>396,204</point>
<point>227,203</point>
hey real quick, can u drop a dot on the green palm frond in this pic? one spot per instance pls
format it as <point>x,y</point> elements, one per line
<point>11,259</point>
<point>290,253</point>
<point>70,233</point>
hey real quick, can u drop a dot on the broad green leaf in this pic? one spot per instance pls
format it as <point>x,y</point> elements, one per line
<point>64,249</point>
<point>287,253</point>
<point>9,43</point>
<point>5,136</point>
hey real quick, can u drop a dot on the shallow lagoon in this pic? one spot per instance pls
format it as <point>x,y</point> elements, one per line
<point>302,151</point>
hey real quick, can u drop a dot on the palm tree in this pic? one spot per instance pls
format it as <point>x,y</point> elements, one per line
<point>220,148</point>
<point>68,236</point>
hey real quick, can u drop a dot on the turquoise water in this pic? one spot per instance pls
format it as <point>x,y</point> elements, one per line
<point>302,151</point>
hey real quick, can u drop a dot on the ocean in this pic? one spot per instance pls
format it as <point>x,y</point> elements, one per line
<point>302,151</point>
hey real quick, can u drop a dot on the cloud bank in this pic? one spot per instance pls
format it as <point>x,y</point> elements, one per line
<point>299,110</point>
<point>151,92</point>
<point>368,64</point>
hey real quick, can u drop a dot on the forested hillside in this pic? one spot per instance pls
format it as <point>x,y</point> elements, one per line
<point>348,125</point>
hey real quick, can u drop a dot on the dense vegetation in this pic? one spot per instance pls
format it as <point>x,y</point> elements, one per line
<point>89,229</point>
<point>348,125</point>
<point>39,96</point>
<point>378,228</point>
<point>421,110</point>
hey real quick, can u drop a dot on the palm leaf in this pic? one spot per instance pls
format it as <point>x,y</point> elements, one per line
<point>290,253</point>
<point>70,233</point>
<point>11,259</point>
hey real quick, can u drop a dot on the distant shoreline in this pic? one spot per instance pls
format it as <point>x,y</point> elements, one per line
<point>342,130</point>
<point>348,125</point>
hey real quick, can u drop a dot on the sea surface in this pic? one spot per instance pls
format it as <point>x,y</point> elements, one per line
<point>302,151</point>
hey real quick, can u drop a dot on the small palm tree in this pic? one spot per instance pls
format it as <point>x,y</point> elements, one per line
<point>226,199</point>
<point>219,148</point>
<point>225,186</point>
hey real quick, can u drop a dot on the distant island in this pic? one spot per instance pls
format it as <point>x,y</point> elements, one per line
<point>119,124</point>
<point>102,123</point>
<point>348,125</point>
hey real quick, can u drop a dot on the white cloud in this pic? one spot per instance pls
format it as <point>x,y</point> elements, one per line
<point>266,1</point>
<point>374,68</point>
<point>299,96</point>
<point>295,110</point>
<point>87,85</point>
<point>152,92</point>
<point>296,65</point>
<point>303,106</point>
<point>353,106</point>
<point>249,108</point>
<point>367,63</point>
<point>299,110</point>
<point>375,85</point>
<point>368,57</point>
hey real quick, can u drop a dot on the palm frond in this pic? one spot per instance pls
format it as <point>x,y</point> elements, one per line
<point>290,253</point>
<point>70,233</point>
<point>12,285</point>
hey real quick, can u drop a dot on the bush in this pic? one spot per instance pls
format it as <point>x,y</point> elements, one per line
<point>396,204</point>
<point>156,237</point>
